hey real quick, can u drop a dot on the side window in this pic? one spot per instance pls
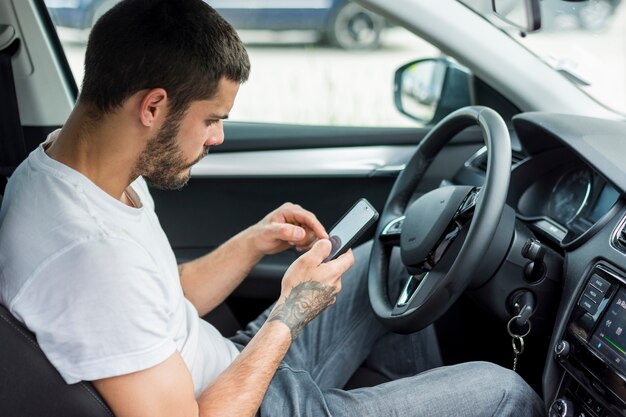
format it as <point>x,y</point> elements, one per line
<point>314,62</point>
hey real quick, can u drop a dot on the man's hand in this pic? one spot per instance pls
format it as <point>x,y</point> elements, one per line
<point>208,280</point>
<point>309,287</point>
<point>289,225</point>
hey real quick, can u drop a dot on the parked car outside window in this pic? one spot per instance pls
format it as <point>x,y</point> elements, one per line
<point>338,22</point>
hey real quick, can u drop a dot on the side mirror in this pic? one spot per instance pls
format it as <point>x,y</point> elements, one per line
<point>525,15</point>
<point>429,89</point>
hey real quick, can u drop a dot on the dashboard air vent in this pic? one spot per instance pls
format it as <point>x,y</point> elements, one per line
<point>619,236</point>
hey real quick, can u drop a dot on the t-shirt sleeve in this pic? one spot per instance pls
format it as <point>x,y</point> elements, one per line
<point>98,309</point>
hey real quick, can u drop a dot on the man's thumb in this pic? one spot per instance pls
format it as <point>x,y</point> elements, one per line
<point>320,250</point>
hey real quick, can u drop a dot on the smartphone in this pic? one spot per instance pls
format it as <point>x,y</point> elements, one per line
<point>350,227</point>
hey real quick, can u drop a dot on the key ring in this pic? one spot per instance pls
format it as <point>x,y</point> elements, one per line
<point>517,336</point>
<point>516,350</point>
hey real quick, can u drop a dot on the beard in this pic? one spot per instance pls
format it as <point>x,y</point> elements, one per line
<point>162,163</point>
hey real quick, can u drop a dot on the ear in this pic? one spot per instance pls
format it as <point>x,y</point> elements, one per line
<point>153,106</point>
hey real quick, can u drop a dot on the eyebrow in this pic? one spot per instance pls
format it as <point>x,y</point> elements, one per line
<point>217,116</point>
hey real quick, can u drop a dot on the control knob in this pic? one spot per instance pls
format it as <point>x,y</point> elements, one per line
<point>562,408</point>
<point>561,350</point>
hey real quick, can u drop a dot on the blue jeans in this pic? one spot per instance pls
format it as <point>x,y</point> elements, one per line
<point>331,347</point>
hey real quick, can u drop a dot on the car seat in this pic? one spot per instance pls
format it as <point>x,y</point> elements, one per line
<point>31,386</point>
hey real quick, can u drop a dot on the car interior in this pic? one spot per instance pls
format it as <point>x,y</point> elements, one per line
<point>526,263</point>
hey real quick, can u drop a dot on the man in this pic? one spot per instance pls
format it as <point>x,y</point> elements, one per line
<point>87,267</point>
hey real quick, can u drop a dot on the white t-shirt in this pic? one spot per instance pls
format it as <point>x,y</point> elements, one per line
<point>96,280</point>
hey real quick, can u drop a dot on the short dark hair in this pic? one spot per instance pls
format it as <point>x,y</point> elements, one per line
<point>183,46</point>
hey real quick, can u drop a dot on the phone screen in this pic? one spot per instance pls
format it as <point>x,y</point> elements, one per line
<point>350,227</point>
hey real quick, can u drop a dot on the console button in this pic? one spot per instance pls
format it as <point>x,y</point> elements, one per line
<point>601,284</point>
<point>598,387</point>
<point>589,401</point>
<point>588,305</point>
<point>581,392</point>
<point>593,293</point>
<point>598,409</point>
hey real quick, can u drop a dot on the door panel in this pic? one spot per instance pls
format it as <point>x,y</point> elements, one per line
<point>241,136</point>
<point>356,161</point>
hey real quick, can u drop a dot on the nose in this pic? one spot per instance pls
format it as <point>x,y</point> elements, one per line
<point>216,135</point>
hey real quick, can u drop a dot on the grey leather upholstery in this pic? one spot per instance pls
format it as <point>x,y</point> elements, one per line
<point>31,386</point>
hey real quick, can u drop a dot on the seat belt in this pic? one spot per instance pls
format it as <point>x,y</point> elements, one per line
<point>12,143</point>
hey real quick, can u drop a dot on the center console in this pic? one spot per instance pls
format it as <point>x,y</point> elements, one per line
<point>593,350</point>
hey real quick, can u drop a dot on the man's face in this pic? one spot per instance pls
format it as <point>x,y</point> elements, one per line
<point>183,140</point>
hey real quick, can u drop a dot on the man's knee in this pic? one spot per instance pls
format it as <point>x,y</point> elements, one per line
<point>517,397</point>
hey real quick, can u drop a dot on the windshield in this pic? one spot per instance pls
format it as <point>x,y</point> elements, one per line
<point>584,41</point>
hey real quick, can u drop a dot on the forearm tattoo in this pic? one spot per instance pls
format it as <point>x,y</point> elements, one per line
<point>303,304</point>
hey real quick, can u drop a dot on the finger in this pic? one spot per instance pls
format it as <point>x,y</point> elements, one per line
<point>308,242</point>
<point>296,214</point>
<point>306,248</point>
<point>319,252</point>
<point>342,263</point>
<point>288,232</point>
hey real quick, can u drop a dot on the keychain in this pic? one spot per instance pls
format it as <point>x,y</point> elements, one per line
<point>517,340</point>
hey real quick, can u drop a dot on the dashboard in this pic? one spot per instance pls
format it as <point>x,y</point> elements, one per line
<point>567,190</point>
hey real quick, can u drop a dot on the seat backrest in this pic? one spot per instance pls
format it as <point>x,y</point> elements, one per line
<point>31,386</point>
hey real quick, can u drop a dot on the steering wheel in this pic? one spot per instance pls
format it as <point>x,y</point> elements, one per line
<point>444,234</point>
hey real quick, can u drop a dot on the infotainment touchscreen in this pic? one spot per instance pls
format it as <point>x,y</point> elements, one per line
<point>609,338</point>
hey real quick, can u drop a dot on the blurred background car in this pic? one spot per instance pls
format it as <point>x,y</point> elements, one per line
<point>337,22</point>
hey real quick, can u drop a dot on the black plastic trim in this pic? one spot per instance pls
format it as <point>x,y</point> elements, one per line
<point>246,136</point>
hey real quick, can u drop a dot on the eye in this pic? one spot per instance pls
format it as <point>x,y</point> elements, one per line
<point>211,122</point>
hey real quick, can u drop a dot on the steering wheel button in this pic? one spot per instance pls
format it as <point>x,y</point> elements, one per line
<point>588,305</point>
